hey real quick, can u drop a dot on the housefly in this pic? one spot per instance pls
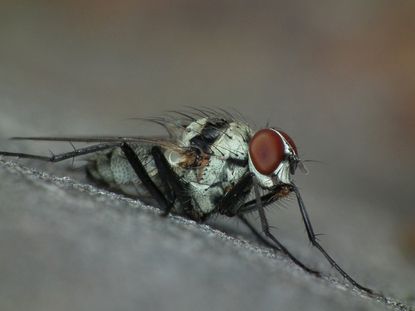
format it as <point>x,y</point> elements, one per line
<point>208,163</point>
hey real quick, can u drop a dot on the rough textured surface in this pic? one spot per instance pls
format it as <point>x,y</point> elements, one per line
<point>71,246</point>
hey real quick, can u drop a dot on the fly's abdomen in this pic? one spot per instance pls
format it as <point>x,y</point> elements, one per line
<point>113,169</point>
<point>99,168</point>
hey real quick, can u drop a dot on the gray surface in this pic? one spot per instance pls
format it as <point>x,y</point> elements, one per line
<point>70,246</point>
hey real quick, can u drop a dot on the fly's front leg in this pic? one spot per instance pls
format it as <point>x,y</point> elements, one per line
<point>170,179</point>
<point>266,199</point>
<point>269,235</point>
<point>230,205</point>
<point>313,240</point>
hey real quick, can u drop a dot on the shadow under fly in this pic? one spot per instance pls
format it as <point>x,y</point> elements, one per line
<point>208,163</point>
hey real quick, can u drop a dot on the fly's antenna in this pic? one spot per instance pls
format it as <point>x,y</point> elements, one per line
<point>303,168</point>
<point>267,124</point>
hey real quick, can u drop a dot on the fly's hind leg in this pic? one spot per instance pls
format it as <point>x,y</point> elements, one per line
<point>175,188</point>
<point>171,181</point>
<point>142,174</point>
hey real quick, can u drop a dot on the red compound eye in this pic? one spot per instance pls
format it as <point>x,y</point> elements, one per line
<point>289,141</point>
<point>266,150</point>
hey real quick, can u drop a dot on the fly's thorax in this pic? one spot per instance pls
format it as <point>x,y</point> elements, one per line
<point>213,158</point>
<point>217,137</point>
<point>233,143</point>
<point>211,144</point>
<point>192,130</point>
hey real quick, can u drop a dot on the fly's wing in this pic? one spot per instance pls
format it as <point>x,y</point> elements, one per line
<point>175,128</point>
<point>178,153</point>
<point>96,139</point>
<point>155,141</point>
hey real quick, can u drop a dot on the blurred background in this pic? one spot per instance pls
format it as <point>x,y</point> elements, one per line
<point>338,76</point>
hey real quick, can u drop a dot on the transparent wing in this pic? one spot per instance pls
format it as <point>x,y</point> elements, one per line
<point>95,144</point>
<point>92,139</point>
<point>155,140</point>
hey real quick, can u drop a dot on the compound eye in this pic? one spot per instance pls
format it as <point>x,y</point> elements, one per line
<point>289,141</point>
<point>266,150</point>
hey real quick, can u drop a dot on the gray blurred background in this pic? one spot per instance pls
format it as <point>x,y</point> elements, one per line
<point>337,76</point>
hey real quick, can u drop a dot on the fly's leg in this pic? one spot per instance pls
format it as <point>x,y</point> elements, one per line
<point>171,181</point>
<point>142,174</point>
<point>256,233</point>
<point>229,206</point>
<point>313,240</point>
<point>266,199</point>
<point>269,235</point>
<point>270,198</point>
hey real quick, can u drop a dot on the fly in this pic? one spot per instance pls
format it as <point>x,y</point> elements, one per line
<point>210,163</point>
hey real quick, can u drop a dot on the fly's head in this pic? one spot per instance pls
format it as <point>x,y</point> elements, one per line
<point>273,157</point>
